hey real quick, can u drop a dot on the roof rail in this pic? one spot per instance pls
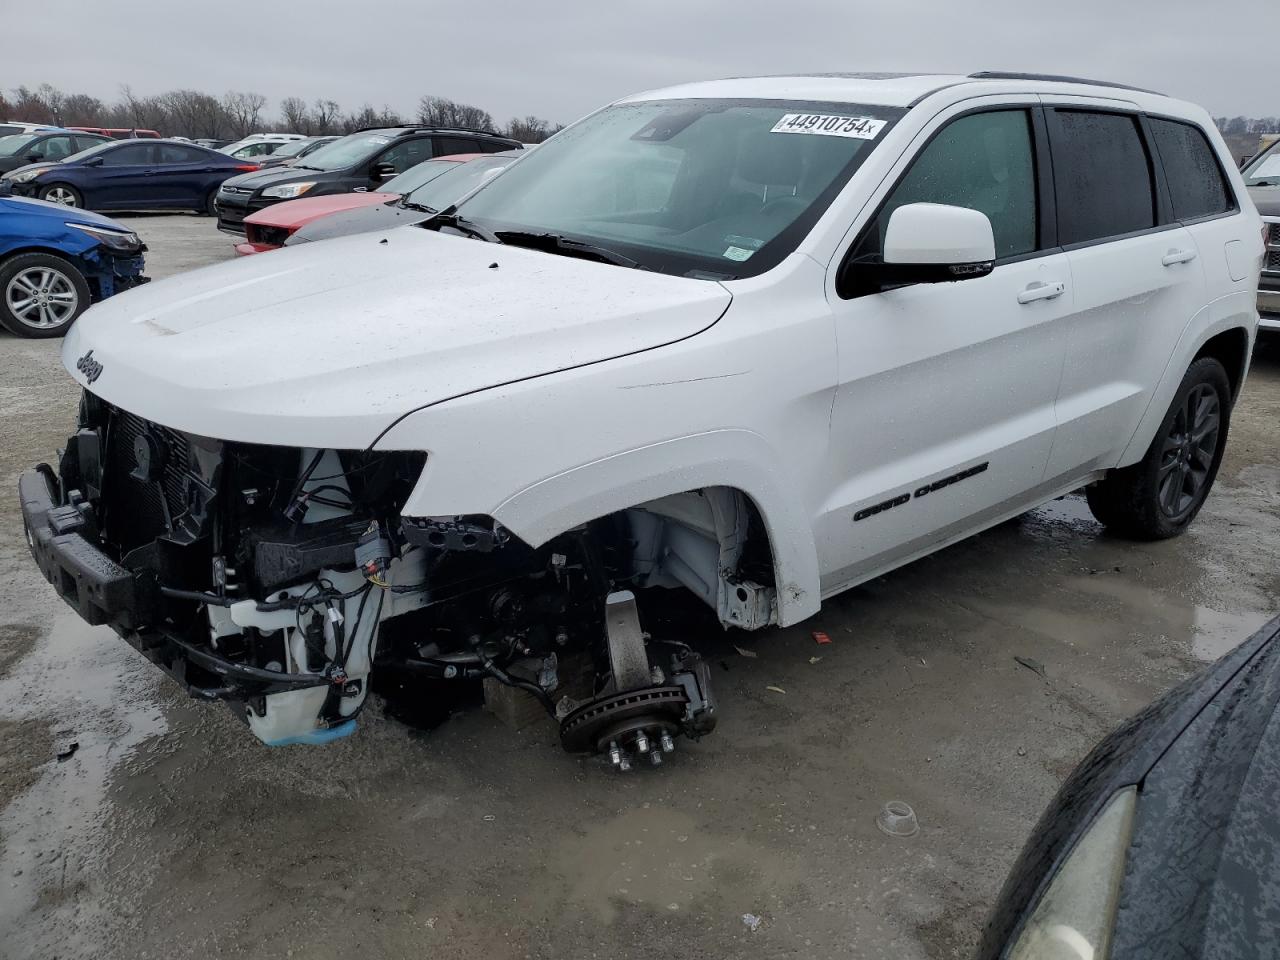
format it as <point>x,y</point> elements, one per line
<point>433,128</point>
<point>1055,78</point>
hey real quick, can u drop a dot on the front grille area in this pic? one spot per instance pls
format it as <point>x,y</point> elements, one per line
<point>272,236</point>
<point>1271,260</point>
<point>136,511</point>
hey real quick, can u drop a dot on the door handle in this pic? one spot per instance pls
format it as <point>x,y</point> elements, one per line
<point>1042,291</point>
<point>1178,256</point>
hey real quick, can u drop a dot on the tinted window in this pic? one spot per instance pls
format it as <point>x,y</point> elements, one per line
<point>1196,184</point>
<point>493,146</point>
<point>124,156</point>
<point>54,148</point>
<point>1102,175</point>
<point>406,154</point>
<point>447,146</point>
<point>172,153</point>
<point>85,142</point>
<point>985,162</point>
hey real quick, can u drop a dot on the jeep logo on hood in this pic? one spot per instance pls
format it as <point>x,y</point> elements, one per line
<point>90,367</point>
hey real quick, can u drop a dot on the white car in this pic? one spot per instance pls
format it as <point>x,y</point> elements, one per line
<point>760,339</point>
<point>263,143</point>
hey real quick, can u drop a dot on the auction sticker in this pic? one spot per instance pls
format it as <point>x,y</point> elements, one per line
<point>826,125</point>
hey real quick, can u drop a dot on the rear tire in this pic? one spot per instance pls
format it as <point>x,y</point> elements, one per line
<point>41,295</point>
<point>62,193</point>
<point>1161,494</point>
<point>209,209</point>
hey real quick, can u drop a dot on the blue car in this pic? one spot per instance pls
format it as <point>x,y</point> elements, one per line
<point>55,262</point>
<point>129,175</point>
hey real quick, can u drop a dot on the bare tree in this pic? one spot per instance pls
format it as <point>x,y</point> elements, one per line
<point>244,110</point>
<point>324,117</point>
<point>529,129</point>
<point>28,106</point>
<point>443,112</point>
<point>81,110</point>
<point>293,115</point>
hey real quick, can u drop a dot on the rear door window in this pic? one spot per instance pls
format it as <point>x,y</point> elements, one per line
<point>173,153</point>
<point>448,146</point>
<point>129,155</point>
<point>1197,185</point>
<point>1102,176</point>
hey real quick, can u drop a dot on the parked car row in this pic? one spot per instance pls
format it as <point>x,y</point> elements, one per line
<point>129,175</point>
<point>361,161</point>
<point>413,196</point>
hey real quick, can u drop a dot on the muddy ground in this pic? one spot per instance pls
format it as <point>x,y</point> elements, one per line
<point>171,833</point>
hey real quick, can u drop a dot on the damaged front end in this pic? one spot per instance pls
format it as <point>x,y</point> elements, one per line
<point>282,579</point>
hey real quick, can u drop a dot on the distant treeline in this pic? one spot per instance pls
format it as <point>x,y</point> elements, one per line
<point>235,114</point>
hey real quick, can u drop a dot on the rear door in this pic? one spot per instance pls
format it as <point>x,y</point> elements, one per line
<point>122,180</point>
<point>1137,274</point>
<point>401,155</point>
<point>183,176</point>
<point>449,146</point>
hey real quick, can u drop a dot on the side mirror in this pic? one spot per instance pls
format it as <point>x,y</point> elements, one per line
<point>382,171</point>
<point>34,157</point>
<point>926,243</point>
<point>93,162</point>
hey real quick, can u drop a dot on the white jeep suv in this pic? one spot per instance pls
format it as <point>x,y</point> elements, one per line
<point>759,339</point>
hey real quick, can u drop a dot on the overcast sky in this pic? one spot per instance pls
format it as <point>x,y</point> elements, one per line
<point>561,58</point>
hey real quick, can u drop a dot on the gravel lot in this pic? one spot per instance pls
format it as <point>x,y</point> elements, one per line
<point>172,833</point>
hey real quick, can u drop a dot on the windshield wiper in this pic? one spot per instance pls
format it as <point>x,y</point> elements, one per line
<point>449,218</point>
<point>567,246</point>
<point>420,207</point>
<point>1264,183</point>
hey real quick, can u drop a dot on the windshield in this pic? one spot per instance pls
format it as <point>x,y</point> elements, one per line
<point>709,188</point>
<point>1264,169</point>
<point>343,153</point>
<point>10,145</point>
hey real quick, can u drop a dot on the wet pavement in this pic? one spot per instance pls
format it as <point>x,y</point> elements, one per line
<point>169,832</point>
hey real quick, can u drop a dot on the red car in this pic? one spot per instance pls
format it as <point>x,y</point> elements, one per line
<point>269,229</point>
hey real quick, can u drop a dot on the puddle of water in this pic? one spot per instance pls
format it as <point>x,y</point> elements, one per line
<point>1072,510</point>
<point>1218,633</point>
<point>89,687</point>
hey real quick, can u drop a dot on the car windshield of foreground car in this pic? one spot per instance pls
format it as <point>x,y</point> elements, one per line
<point>343,153</point>
<point>716,189</point>
<point>454,183</point>
<point>1264,171</point>
<point>12,144</point>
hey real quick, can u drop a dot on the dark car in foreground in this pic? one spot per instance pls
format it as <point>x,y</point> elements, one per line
<point>55,262</point>
<point>20,149</point>
<point>1262,176</point>
<point>130,175</point>
<point>409,198</point>
<point>1165,842</point>
<point>360,161</point>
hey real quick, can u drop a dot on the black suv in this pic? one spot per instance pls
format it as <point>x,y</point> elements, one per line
<point>362,160</point>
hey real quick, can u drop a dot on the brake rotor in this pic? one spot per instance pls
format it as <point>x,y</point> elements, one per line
<point>590,727</point>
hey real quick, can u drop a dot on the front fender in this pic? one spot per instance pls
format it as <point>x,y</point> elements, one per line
<point>720,458</point>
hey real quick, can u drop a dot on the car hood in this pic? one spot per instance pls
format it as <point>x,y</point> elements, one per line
<point>57,212</point>
<point>326,345</point>
<point>294,213</point>
<point>1266,199</point>
<point>271,176</point>
<point>1201,881</point>
<point>384,216</point>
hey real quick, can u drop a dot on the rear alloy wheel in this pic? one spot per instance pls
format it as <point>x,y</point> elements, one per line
<point>62,193</point>
<point>40,295</point>
<point>210,204</point>
<point>1160,495</point>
